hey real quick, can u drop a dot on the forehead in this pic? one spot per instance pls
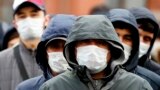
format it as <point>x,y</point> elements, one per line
<point>123,31</point>
<point>143,32</point>
<point>91,41</point>
<point>26,10</point>
<point>26,5</point>
<point>58,43</point>
<point>55,45</point>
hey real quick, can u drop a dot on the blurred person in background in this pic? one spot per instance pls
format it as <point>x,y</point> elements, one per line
<point>11,38</point>
<point>148,29</point>
<point>155,54</point>
<point>100,9</point>
<point>3,29</point>
<point>50,51</point>
<point>127,29</point>
<point>18,63</point>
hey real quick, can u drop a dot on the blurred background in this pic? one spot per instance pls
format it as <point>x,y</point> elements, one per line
<point>77,7</point>
<point>80,7</point>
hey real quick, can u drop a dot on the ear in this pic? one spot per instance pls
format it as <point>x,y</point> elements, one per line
<point>47,19</point>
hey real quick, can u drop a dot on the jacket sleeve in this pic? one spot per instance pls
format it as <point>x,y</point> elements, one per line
<point>146,86</point>
<point>44,87</point>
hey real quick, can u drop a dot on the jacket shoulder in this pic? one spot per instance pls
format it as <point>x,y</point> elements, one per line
<point>148,75</point>
<point>31,84</point>
<point>131,82</point>
<point>69,80</point>
<point>153,66</point>
<point>6,56</point>
<point>6,52</point>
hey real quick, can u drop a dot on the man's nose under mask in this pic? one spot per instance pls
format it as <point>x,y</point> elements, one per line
<point>57,62</point>
<point>30,28</point>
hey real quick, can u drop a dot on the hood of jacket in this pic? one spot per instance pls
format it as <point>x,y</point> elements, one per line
<point>7,35</point>
<point>124,17</point>
<point>145,14</point>
<point>59,27</point>
<point>94,27</point>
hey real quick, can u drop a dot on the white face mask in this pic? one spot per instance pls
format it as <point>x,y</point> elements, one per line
<point>143,49</point>
<point>127,51</point>
<point>30,28</point>
<point>156,50</point>
<point>93,57</point>
<point>57,62</point>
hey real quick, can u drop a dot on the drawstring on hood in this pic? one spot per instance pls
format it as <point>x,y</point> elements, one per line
<point>58,28</point>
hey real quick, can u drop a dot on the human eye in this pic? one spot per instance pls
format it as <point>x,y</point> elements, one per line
<point>127,38</point>
<point>147,39</point>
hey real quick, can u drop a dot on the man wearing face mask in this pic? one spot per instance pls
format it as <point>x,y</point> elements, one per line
<point>94,52</point>
<point>127,29</point>
<point>50,51</point>
<point>18,63</point>
<point>148,29</point>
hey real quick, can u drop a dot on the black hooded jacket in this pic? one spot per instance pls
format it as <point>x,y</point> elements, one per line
<point>144,14</point>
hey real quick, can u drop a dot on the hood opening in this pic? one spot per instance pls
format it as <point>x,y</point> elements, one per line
<point>132,62</point>
<point>41,57</point>
<point>155,32</point>
<point>69,53</point>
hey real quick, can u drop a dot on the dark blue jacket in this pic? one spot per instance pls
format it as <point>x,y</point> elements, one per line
<point>126,20</point>
<point>140,15</point>
<point>59,26</point>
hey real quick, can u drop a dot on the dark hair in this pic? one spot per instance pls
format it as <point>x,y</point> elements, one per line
<point>56,43</point>
<point>100,9</point>
<point>11,34</point>
<point>122,25</point>
<point>146,25</point>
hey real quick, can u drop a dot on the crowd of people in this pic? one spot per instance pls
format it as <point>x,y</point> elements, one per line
<point>110,49</point>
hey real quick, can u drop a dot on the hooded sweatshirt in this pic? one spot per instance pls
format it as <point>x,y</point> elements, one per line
<point>100,28</point>
<point>7,36</point>
<point>59,27</point>
<point>124,17</point>
<point>144,14</point>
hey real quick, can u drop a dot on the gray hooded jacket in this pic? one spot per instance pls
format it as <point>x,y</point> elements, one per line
<point>95,27</point>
